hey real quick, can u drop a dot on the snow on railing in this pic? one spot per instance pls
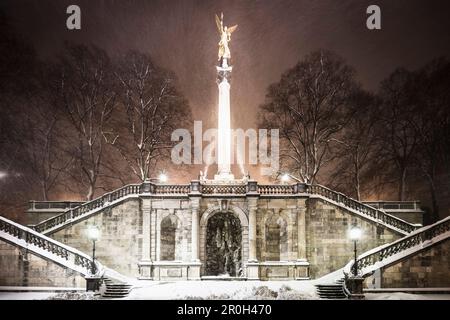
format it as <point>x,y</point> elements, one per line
<point>361,208</point>
<point>232,189</point>
<point>47,248</point>
<point>87,207</point>
<point>368,261</point>
<point>165,190</point>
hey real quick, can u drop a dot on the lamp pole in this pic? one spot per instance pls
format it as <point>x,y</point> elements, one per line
<point>94,269</point>
<point>94,235</point>
<point>355,235</point>
<point>355,269</point>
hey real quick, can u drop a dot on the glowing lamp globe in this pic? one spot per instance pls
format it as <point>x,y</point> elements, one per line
<point>355,233</point>
<point>94,233</point>
<point>163,178</point>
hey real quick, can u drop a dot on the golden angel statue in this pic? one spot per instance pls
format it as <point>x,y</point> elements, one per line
<point>225,37</point>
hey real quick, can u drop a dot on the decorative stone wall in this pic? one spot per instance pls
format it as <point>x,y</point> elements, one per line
<point>120,243</point>
<point>429,268</point>
<point>295,237</point>
<point>19,268</point>
<point>328,246</point>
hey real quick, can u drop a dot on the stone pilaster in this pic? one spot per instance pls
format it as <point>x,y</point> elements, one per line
<point>153,228</point>
<point>146,229</point>
<point>195,204</point>
<point>252,208</point>
<point>301,230</point>
<point>146,262</point>
<point>194,268</point>
<point>252,265</point>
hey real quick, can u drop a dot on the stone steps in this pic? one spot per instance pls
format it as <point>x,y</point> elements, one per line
<point>331,290</point>
<point>116,289</point>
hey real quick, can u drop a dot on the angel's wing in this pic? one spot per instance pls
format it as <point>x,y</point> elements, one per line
<point>219,24</point>
<point>232,29</point>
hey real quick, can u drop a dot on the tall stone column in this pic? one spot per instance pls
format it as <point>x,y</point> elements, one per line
<point>224,123</point>
<point>252,265</point>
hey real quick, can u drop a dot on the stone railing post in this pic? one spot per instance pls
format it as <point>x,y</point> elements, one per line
<point>195,187</point>
<point>146,187</point>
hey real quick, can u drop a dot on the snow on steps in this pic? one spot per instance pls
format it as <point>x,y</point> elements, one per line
<point>61,254</point>
<point>45,247</point>
<point>421,238</point>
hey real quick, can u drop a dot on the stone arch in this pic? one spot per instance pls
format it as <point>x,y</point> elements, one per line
<point>276,237</point>
<point>239,213</point>
<point>170,238</point>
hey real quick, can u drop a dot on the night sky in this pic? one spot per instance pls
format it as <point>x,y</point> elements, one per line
<point>272,36</point>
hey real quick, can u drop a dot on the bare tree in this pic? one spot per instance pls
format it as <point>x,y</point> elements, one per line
<point>396,134</point>
<point>309,106</point>
<point>430,123</point>
<point>153,108</point>
<point>356,147</point>
<point>88,96</point>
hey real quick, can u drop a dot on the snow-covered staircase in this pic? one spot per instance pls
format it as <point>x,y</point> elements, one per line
<point>115,289</point>
<point>332,290</point>
<point>63,255</point>
<point>385,255</point>
<point>47,248</point>
<point>109,199</point>
<point>393,252</point>
<point>374,214</point>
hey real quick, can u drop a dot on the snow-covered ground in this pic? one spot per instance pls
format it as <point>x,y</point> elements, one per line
<point>222,290</point>
<point>406,296</point>
<point>25,295</point>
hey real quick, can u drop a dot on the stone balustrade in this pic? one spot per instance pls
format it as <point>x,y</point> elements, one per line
<point>82,262</point>
<point>251,188</point>
<point>416,238</point>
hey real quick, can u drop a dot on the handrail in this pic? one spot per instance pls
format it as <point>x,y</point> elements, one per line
<point>35,241</point>
<point>185,190</point>
<point>360,207</point>
<point>376,255</point>
<point>99,202</point>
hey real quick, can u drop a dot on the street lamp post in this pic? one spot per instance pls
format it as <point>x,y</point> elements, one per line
<point>355,235</point>
<point>94,235</point>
